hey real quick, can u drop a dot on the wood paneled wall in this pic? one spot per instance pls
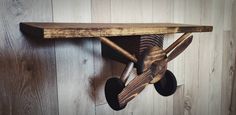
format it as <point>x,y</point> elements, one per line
<point>66,77</point>
<point>28,72</point>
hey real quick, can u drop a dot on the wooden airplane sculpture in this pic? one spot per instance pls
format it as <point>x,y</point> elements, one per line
<point>154,64</point>
<point>149,57</point>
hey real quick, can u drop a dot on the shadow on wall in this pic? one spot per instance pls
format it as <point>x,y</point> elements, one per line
<point>98,82</point>
<point>28,74</point>
<point>86,71</point>
<point>81,60</point>
<point>102,71</point>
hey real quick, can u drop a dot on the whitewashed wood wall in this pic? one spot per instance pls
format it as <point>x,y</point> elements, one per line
<point>73,81</point>
<point>204,71</point>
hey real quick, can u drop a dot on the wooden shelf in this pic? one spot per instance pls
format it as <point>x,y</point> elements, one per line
<point>77,30</point>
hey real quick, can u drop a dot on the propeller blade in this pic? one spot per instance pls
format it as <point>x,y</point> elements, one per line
<point>177,42</point>
<point>180,48</point>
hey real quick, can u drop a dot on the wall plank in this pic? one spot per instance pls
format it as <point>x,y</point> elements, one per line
<point>228,67</point>
<point>125,11</point>
<point>178,62</point>
<point>228,12</point>
<point>74,61</point>
<point>102,67</point>
<point>233,95</point>
<point>104,110</point>
<point>191,84</point>
<point>232,107</point>
<point>178,104</point>
<point>215,80</point>
<point>72,10</point>
<point>27,66</point>
<point>228,62</point>
<point>206,56</point>
<point>101,13</point>
<point>163,11</point>
<point>135,11</point>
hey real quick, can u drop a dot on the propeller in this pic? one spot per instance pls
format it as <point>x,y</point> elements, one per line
<point>154,70</point>
<point>180,48</point>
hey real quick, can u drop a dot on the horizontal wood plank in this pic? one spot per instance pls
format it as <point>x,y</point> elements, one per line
<point>77,30</point>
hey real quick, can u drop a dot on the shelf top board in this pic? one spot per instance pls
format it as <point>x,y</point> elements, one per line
<point>77,30</point>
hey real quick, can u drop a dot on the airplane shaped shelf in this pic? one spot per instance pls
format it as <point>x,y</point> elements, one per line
<point>46,30</point>
<point>110,34</point>
<point>137,45</point>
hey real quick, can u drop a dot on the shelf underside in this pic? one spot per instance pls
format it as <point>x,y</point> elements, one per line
<point>78,30</point>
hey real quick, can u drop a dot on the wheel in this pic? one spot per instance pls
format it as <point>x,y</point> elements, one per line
<point>167,85</point>
<point>113,87</point>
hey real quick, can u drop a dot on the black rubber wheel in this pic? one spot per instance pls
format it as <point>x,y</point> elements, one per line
<point>112,88</point>
<point>167,85</point>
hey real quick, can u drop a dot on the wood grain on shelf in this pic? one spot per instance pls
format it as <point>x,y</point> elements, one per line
<point>76,30</point>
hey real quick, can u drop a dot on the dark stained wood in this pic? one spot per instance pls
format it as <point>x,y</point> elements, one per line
<point>75,30</point>
<point>118,48</point>
<point>155,65</point>
<point>137,47</point>
<point>131,46</point>
<point>172,46</point>
<point>157,53</point>
<point>134,87</point>
<point>180,48</point>
<point>27,67</point>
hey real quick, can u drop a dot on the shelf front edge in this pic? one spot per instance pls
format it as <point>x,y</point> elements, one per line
<point>63,33</point>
